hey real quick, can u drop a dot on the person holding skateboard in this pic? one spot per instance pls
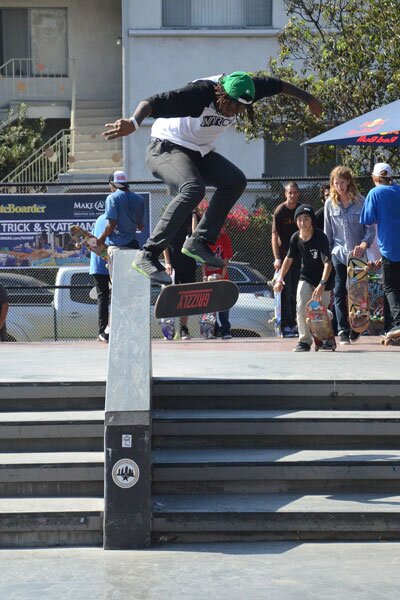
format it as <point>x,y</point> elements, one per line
<point>180,153</point>
<point>99,271</point>
<point>311,246</point>
<point>346,236</point>
<point>382,207</point>
<point>124,212</point>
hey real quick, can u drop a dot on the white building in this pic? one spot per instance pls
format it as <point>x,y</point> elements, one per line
<point>125,51</point>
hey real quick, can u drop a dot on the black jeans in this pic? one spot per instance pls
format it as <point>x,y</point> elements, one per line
<point>187,173</point>
<point>288,297</point>
<point>103,299</point>
<point>391,286</point>
<point>340,292</point>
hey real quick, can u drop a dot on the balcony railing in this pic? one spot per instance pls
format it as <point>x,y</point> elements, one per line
<point>45,164</point>
<point>23,79</point>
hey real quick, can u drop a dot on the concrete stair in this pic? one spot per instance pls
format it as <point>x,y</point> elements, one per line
<point>229,465</point>
<point>231,461</point>
<point>93,154</point>
<point>51,464</point>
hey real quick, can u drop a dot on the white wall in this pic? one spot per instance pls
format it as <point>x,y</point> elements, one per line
<point>93,28</point>
<point>159,60</point>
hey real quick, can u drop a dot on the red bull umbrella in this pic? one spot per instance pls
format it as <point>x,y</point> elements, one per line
<point>379,127</point>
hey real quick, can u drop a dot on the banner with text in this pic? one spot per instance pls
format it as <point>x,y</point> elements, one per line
<point>34,228</point>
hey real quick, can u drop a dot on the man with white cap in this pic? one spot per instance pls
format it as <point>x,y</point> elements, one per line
<point>382,206</point>
<point>124,212</point>
<point>181,153</point>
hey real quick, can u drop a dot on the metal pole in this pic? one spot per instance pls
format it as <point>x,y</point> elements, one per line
<point>73,103</point>
<point>127,481</point>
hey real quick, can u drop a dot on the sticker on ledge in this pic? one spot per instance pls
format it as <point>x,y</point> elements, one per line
<point>125,473</point>
<point>126,440</point>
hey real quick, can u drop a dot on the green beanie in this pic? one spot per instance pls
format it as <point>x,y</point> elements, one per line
<point>239,86</point>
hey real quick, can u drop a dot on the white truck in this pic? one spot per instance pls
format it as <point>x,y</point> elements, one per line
<point>39,313</point>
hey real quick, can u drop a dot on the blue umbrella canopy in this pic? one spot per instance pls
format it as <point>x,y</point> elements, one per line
<point>379,127</point>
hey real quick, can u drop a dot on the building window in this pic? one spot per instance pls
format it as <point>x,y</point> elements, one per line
<point>218,14</point>
<point>33,41</point>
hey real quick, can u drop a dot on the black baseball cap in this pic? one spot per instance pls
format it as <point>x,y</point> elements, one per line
<point>304,209</point>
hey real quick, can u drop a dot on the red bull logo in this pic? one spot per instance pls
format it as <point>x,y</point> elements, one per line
<point>381,138</point>
<point>367,127</point>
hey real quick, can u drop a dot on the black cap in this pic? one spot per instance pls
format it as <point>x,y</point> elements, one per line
<point>305,209</point>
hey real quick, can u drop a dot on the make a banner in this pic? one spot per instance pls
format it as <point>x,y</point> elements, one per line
<point>34,228</point>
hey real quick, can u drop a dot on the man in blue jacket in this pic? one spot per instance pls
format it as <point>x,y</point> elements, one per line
<point>382,206</point>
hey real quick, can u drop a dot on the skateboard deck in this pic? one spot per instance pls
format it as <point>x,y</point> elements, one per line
<point>82,237</point>
<point>276,319</point>
<point>196,298</point>
<point>376,301</point>
<point>320,323</point>
<point>392,339</point>
<point>357,284</point>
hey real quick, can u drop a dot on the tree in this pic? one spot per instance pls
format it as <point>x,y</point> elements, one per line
<point>19,140</point>
<point>346,53</point>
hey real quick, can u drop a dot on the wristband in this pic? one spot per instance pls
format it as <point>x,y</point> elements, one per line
<point>134,123</point>
<point>322,282</point>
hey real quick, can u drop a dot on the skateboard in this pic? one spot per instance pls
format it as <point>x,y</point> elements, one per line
<point>82,237</point>
<point>207,325</point>
<point>276,319</point>
<point>196,298</point>
<point>168,327</point>
<point>357,283</point>
<point>392,339</point>
<point>320,322</point>
<point>376,302</point>
<point>208,319</point>
<point>168,323</point>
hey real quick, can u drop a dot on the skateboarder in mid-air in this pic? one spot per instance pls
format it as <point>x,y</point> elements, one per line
<point>316,275</point>
<point>180,153</point>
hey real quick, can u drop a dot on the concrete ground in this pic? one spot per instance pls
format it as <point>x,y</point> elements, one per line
<point>271,359</point>
<point>234,571</point>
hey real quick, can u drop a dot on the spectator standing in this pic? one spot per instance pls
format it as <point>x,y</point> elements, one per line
<point>183,266</point>
<point>101,275</point>
<point>382,207</point>
<point>124,211</point>
<point>316,277</point>
<point>223,250</point>
<point>4,305</point>
<point>346,235</point>
<point>283,227</point>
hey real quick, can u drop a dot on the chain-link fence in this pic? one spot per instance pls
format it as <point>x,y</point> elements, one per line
<point>58,302</point>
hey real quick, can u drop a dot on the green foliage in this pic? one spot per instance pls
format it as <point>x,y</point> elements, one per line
<point>19,140</point>
<point>346,53</point>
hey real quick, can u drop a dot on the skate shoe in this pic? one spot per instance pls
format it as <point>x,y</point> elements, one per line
<point>197,248</point>
<point>147,265</point>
